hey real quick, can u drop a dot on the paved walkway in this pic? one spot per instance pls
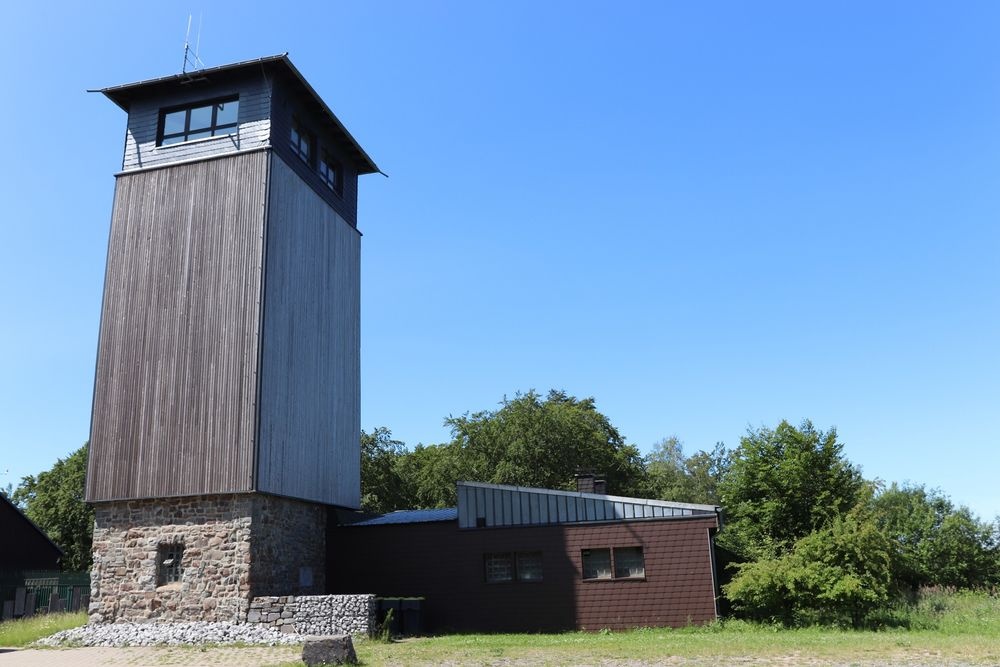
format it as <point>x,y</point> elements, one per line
<point>151,656</point>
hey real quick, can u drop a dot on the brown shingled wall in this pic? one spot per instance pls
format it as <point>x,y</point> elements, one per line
<point>443,564</point>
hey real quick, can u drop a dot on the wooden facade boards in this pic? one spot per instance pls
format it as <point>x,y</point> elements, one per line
<point>175,386</point>
<point>229,354</point>
<point>179,408</point>
<point>310,364</point>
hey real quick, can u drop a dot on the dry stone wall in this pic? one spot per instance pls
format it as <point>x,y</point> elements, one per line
<point>315,614</point>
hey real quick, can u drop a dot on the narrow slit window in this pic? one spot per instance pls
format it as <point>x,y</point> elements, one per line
<point>330,172</point>
<point>302,141</point>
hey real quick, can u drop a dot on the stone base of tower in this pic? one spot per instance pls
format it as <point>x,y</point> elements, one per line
<point>203,558</point>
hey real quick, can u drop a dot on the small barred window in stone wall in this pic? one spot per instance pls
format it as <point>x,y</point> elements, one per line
<point>169,564</point>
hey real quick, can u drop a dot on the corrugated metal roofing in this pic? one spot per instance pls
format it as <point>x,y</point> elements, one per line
<point>411,516</point>
<point>488,505</point>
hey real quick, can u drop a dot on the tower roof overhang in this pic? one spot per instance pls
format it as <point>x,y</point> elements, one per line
<point>277,65</point>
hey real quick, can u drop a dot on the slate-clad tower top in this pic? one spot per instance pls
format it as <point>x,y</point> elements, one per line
<point>192,84</point>
<point>229,353</point>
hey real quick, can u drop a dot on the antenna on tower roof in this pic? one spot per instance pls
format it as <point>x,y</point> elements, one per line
<point>192,59</point>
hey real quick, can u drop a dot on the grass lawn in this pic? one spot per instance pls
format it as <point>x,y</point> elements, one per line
<point>681,646</point>
<point>943,629</point>
<point>24,631</point>
<point>956,629</point>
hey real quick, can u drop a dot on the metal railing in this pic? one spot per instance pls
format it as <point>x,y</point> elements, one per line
<point>31,592</point>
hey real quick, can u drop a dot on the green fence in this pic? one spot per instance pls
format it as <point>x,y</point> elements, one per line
<point>28,592</point>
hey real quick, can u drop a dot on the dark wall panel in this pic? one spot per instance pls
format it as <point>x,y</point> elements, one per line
<point>445,565</point>
<point>25,546</point>
<point>175,388</point>
<point>288,105</point>
<point>309,432</point>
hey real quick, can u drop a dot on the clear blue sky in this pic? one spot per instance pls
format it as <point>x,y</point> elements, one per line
<point>707,216</point>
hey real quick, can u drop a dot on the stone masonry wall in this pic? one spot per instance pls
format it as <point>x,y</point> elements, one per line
<point>316,614</point>
<point>288,549</point>
<point>234,547</point>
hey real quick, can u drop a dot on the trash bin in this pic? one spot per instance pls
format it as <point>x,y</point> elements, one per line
<point>385,605</point>
<point>412,609</point>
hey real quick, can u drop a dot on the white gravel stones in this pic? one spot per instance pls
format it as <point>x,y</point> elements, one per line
<point>169,634</point>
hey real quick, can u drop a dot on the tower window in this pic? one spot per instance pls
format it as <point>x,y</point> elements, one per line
<point>330,172</point>
<point>168,562</point>
<point>302,142</point>
<point>198,121</point>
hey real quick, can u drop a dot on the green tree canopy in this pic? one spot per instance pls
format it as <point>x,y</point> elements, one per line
<point>783,484</point>
<point>688,479</point>
<point>836,574</point>
<point>532,441</point>
<point>933,542</point>
<point>429,474</point>
<point>54,501</point>
<point>381,487</point>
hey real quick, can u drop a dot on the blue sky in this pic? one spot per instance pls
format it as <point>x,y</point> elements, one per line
<point>707,216</point>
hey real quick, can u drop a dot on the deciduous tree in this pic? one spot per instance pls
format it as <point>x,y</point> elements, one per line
<point>54,501</point>
<point>532,441</point>
<point>783,484</point>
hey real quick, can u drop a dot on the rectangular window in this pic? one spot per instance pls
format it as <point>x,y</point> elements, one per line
<point>529,566</point>
<point>506,567</point>
<point>329,171</point>
<point>197,121</point>
<point>596,563</point>
<point>499,568</point>
<point>302,142</point>
<point>170,557</point>
<point>629,562</point>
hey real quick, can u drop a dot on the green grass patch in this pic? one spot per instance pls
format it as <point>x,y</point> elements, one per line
<point>22,632</point>
<point>939,629</point>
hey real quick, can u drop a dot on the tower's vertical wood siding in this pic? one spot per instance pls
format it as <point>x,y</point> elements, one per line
<point>175,387</point>
<point>308,439</point>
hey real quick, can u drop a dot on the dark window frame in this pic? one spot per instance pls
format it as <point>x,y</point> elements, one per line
<point>613,564</point>
<point>215,129</point>
<point>327,166</point>
<point>513,558</point>
<point>169,563</point>
<point>300,133</point>
<point>642,560</point>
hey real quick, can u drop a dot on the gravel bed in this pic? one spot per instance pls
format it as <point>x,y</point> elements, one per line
<point>169,634</point>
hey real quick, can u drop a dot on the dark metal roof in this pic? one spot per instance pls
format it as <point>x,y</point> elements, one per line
<point>411,516</point>
<point>124,94</point>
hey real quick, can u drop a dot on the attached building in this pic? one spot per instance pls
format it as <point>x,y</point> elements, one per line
<point>25,545</point>
<point>511,558</point>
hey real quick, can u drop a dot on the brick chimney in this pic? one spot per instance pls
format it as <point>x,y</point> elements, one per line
<point>590,482</point>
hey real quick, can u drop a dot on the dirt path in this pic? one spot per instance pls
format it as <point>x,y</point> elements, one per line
<point>253,656</point>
